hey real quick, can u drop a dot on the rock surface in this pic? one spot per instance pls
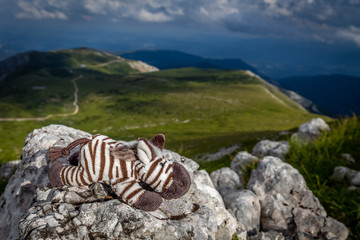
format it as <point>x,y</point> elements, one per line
<point>309,131</point>
<point>271,148</point>
<point>219,154</point>
<point>244,205</point>
<point>32,173</point>
<point>288,206</point>
<point>81,213</point>
<point>343,173</point>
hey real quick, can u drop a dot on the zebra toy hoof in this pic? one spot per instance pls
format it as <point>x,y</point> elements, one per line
<point>54,175</point>
<point>149,201</point>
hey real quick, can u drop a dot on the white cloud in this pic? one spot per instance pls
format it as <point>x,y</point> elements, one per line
<point>147,16</point>
<point>34,10</point>
<point>315,19</point>
<point>352,34</point>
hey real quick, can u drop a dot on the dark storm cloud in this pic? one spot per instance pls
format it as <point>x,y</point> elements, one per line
<point>320,20</point>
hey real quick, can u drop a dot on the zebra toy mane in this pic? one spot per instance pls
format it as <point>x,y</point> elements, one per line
<point>123,166</point>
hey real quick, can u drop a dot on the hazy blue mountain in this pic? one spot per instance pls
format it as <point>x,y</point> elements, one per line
<point>168,59</point>
<point>338,94</point>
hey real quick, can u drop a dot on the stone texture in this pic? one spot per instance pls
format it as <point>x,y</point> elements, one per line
<point>271,235</point>
<point>244,205</point>
<point>32,210</point>
<point>219,154</point>
<point>271,148</point>
<point>225,180</point>
<point>343,173</point>
<point>309,131</point>
<point>32,173</point>
<point>240,161</point>
<point>288,206</point>
<point>8,169</point>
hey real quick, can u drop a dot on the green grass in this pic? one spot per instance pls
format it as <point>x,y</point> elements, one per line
<point>316,162</point>
<point>199,111</point>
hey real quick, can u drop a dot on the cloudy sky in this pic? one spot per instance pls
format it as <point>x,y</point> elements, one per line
<point>279,37</point>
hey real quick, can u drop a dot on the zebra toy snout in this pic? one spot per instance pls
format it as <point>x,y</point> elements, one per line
<point>180,185</point>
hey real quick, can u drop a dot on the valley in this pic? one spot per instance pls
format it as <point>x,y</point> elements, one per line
<point>199,110</point>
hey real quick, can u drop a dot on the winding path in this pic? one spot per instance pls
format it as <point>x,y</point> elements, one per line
<point>75,103</point>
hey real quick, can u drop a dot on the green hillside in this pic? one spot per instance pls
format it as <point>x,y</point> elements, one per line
<point>199,110</point>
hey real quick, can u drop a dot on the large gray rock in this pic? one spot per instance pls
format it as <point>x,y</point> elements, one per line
<point>226,151</point>
<point>287,204</point>
<point>343,173</point>
<point>225,180</point>
<point>244,205</point>
<point>80,213</point>
<point>241,161</point>
<point>32,173</point>
<point>271,148</point>
<point>309,131</point>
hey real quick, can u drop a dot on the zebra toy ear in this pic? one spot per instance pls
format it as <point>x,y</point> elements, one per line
<point>145,151</point>
<point>159,141</point>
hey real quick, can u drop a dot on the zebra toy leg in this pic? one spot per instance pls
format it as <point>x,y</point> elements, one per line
<point>54,175</point>
<point>134,195</point>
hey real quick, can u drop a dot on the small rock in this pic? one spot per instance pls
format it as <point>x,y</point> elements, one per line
<point>219,154</point>
<point>309,131</point>
<point>225,180</point>
<point>348,157</point>
<point>271,235</point>
<point>342,173</point>
<point>271,148</point>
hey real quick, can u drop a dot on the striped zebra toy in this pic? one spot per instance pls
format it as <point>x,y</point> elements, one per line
<point>123,166</point>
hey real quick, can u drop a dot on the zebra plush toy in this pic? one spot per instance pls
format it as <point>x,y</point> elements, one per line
<point>123,166</point>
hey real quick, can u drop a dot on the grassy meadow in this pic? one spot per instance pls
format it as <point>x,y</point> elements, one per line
<point>199,110</point>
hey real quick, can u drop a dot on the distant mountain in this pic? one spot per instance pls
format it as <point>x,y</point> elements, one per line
<point>337,94</point>
<point>169,59</point>
<point>59,62</point>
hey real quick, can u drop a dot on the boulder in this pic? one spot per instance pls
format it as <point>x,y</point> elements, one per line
<point>309,131</point>
<point>226,151</point>
<point>348,157</point>
<point>244,205</point>
<point>8,169</point>
<point>343,173</point>
<point>271,235</point>
<point>287,204</point>
<point>271,148</point>
<point>225,180</point>
<point>31,209</point>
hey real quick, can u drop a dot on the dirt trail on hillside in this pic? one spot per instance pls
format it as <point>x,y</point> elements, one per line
<point>75,103</point>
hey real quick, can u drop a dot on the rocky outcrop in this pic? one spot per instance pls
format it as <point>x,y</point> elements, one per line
<point>226,151</point>
<point>302,101</point>
<point>309,131</point>
<point>271,148</point>
<point>288,206</point>
<point>343,173</point>
<point>243,204</point>
<point>32,173</point>
<point>31,209</point>
<point>142,67</point>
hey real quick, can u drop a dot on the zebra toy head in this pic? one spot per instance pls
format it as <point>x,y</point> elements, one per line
<point>169,179</point>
